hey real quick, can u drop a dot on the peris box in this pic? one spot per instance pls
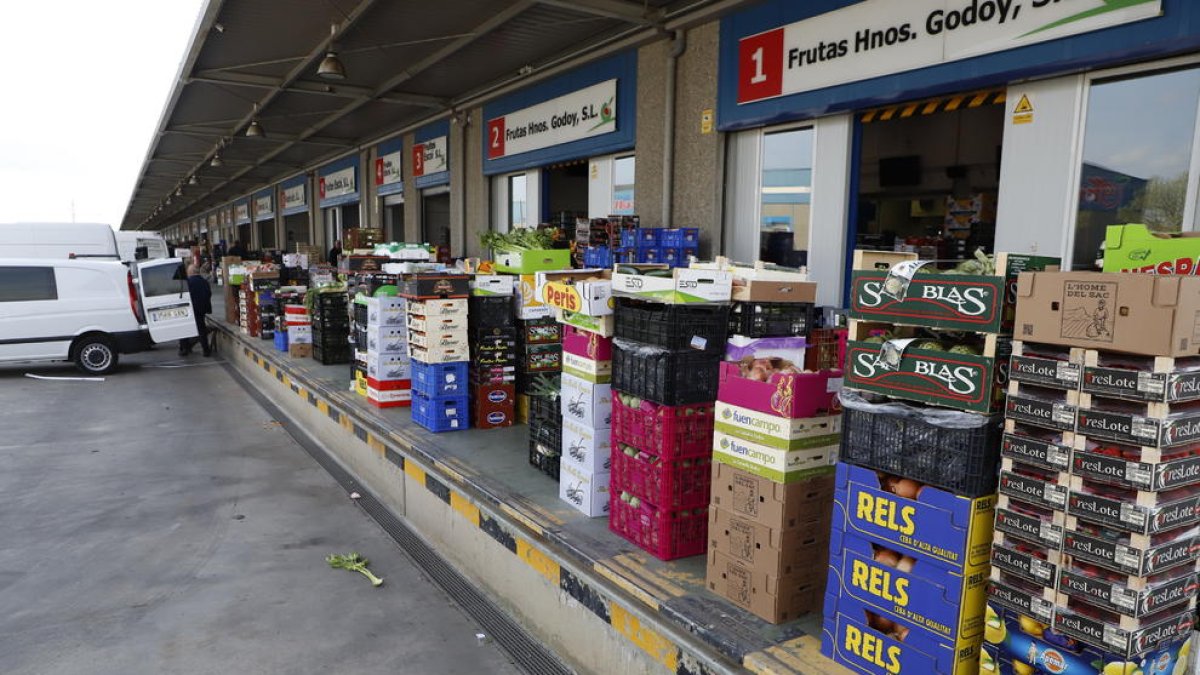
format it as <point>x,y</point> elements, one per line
<point>584,291</point>
<point>586,403</point>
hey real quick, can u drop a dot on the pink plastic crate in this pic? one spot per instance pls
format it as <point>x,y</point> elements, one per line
<point>666,483</point>
<point>664,430</point>
<point>793,396</point>
<point>585,344</point>
<point>665,534</point>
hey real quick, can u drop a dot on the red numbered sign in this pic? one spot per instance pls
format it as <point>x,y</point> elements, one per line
<point>379,171</point>
<point>321,186</point>
<point>495,133</point>
<point>419,159</point>
<point>760,66</point>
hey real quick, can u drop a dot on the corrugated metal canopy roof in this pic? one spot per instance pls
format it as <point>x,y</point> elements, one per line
<point>406,62</point>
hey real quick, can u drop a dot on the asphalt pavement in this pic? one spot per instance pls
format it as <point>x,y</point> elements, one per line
<point>161,521</point>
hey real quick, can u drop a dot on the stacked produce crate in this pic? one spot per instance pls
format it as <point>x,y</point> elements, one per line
<point>598,240</point>
<point>299,331</point>
<point>586,400</point>
<point>438,341</point>
<point>915,486</point>
<point>1095,557</point>
<point>669,246</point>
<point>670,330</point>
<point>289,308</point>
<point>776,438</point>
<point>388,370</point>
<point>359,320</point>
<point>331,328</point>
<point>493,338</point>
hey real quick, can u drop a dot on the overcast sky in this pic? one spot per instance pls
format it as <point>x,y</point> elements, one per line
<point>84,83</point>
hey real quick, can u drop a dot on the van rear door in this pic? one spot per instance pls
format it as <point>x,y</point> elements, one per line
<point>162,285</point>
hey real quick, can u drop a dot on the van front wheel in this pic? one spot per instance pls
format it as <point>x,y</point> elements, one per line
<point>95,355</point>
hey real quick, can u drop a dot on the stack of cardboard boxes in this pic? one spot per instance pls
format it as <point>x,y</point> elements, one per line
<point>1095,558</point>
<point>774,446</point>
<point>439,345</point>
<point>388,371</point>
<point>299,331</point>
<point>493,338</point>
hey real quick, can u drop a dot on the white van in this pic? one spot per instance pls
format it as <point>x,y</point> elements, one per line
<point>90,311</point>
<point>134,246</point>
<point>91,241</point>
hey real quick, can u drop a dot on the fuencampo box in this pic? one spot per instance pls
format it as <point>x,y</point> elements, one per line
<point>775,431</point>
<point>779,465</point>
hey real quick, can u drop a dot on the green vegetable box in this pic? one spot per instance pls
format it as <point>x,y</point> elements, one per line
<point>529,261</point>
<point>978,295</point>
<point>680,285</point>
<point>1134,248</point>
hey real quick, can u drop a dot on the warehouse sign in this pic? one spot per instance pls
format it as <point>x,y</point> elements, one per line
<point>429,157</point>
<point>584,113</point>
<point>293,197</point>
<point>883,37</point>
<point>388,168</point>
<point>338,183</point>
<point>263,207</point>
<point>241,212</point>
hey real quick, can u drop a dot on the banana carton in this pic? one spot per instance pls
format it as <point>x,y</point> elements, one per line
<point>1019,645</point>
<point>857,637</point>
<point>932,524</point>
<point>945,604</point>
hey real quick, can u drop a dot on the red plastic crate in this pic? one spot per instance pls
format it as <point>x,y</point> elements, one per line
<point>664,533</point>
<point>663,430</point>
<point>667,483</point>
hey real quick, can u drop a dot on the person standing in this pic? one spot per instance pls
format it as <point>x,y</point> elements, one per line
<point>335,253</point>
<point>201,294</point>
<point>236,250</point>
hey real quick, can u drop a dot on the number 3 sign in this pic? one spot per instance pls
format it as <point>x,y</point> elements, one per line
<point>760,66</point>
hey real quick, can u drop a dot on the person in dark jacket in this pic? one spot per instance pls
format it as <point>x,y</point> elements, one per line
<point>335,253</point>
<point>236,250</point>
<point>201,294</point>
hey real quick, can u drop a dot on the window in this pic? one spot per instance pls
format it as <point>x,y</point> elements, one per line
<point>624,174</point>
<point>518,211</point>
<point>27,284</point>
<point>785,196</point>
<point>163,280</point>
<point>1137,157</point>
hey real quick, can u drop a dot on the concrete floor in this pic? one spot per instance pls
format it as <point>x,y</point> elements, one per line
<point>161,521</point>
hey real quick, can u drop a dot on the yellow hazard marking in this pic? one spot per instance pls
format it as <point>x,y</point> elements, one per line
<point>450,473</point>
<point>539,561</point>
<point>908,110</point>
<point>1023,105</point>
<point>650,641</point>
<point>323,407</point>
<point>626,585</point>
<point>467,509</point>
<point>376,444</point>
<point>521,518</point>
<point>414,472</point>
<point>801,655</point>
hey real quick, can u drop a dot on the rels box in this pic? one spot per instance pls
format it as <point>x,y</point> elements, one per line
<point>953,531</point>
<point>865,642</point>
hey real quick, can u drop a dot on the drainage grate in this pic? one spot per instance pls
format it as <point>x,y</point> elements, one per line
<point>525,651</point>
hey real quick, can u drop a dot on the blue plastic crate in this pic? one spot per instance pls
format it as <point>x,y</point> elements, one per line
<point>281,340</point>
<point>672,256</point>
<point>680,237</point>
<point>647,237</point>
<point>649,255</point>
<point>625,255</point>
<point>629,238</point>
<point>441,413</point>
<point>597,256</point>
<point>440,379</point>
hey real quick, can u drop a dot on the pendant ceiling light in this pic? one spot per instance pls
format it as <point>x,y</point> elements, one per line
<point>331,67</point>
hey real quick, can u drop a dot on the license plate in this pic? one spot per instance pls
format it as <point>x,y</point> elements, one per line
<point>168,314</point>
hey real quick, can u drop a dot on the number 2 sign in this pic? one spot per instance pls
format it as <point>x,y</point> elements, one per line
<point>760,66</point>
<point>495,133</point>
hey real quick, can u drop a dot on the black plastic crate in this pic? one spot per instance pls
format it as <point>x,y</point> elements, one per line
<point>669,377</point>
<point>543,459</point>
<point>332,355</point>
<point>526,381</point>
<point>492,311</point>
<point>545,409</point>
<point>360,313</point>
<point>700,327</point>
<point>956,451</point>
<point>768,319</point>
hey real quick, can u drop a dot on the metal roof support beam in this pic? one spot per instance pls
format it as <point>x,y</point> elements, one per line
<point>316,88</point>
<point>630,12</point>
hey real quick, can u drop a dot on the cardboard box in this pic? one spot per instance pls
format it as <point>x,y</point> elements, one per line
<point>388,385</point>
<point>772,504</point>
<point>929,596</point>
<point>953,531</point>
<point>384,310</point>
<point>388,367</point>
<point>530,261</point>
<point>529,305</point>
<point>603,326</point>
<point>587,369</point>
<point>429,308</point>
<point>1134,313</point>
<point>587,492</point>
<point>493,405</point>
<point>436,286</point>
<point>788,395</point>
<point>541,331</point>
<point>522,408</point>
<point>364,263</point>
<point>775,464</point>
<point>585,344</point>
<point>583,291</point>
<point>438,354</point>
<point>541,359</point>
<point>588,450</point>
<point>769,550</point>
<point>765,282</point>
<point>772,598</point>
<point>775,431</point>
<point>847,639</point>
<point>389,340</point>
<point>300,335</point>
<point>493,284</point>
<point>586,402</point>
<point>437,324</point>
<point>454,339</point>
<point>685,285</point>
<point>1134,248</point>
<point>389,395</point>
<point>300,350</point>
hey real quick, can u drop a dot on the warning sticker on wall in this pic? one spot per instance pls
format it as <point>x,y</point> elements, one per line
<point>1023,111</point>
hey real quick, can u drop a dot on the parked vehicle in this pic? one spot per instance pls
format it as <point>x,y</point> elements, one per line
<point>92,241</point>
<point>134,246</point>
<point>90,311</point>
